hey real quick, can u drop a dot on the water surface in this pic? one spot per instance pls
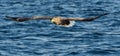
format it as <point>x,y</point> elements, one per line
<point>42,38</point>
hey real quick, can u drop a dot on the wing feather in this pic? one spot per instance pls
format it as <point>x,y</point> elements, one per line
<point>21,19</point>
<point>42,17</point>
<point>87,19</point>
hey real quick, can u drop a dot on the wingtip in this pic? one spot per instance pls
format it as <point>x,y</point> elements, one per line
<point>105,14</point>
<point>7,17</point>
<point>10,17</point>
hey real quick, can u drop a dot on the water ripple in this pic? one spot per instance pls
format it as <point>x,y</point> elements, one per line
<point>42,38</point>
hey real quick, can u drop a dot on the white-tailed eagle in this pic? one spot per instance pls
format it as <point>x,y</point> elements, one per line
<point>56,20</point>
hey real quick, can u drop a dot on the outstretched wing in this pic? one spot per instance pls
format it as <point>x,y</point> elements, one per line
<point>21,19</point>
<point>87,19</point>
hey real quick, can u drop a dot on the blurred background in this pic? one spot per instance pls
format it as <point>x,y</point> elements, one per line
<point>42,38</point>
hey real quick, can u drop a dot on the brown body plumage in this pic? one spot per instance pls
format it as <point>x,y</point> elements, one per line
<point>60,21</point>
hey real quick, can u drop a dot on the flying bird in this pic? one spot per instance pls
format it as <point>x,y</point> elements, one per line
<point>61,21</point>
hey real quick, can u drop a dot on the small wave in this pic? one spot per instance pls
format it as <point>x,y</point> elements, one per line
<point>101,51</point>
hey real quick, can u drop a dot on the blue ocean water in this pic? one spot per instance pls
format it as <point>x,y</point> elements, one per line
<point>42,38</point>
